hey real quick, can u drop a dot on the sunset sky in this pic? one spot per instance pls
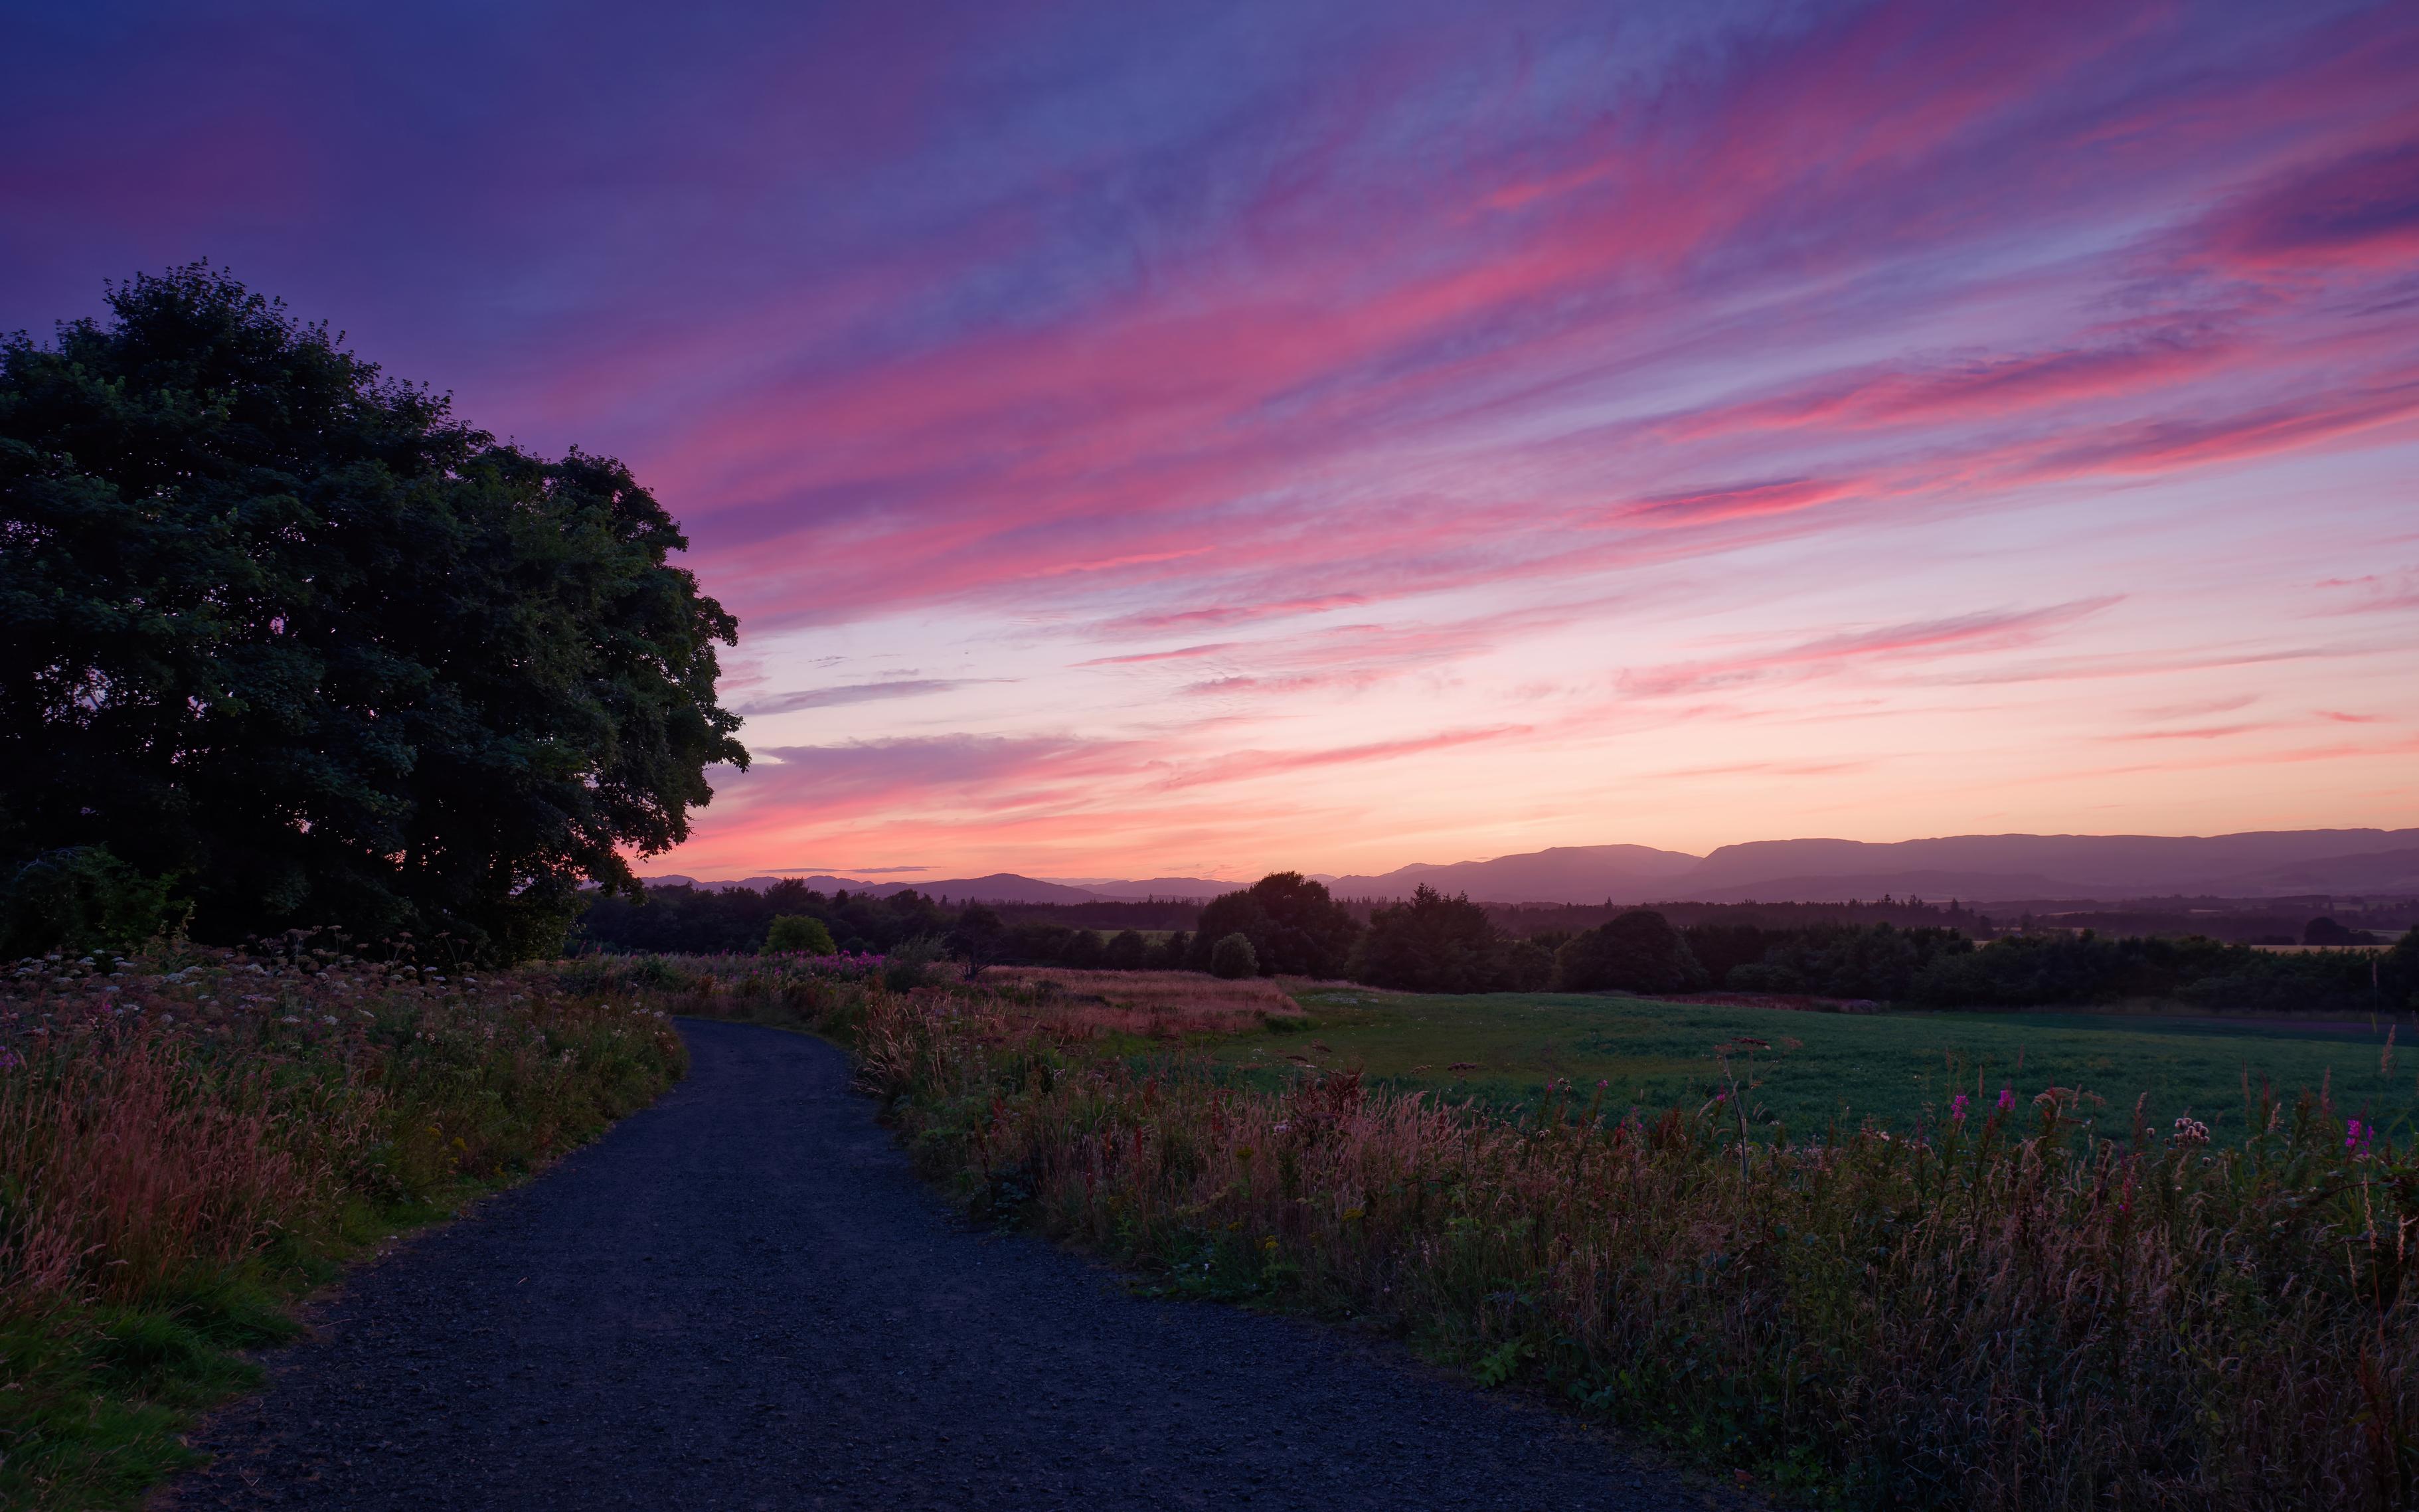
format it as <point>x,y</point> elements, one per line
<point>1147,439</point>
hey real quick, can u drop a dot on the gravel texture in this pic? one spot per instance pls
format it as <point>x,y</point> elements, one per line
<point>741,1297</point>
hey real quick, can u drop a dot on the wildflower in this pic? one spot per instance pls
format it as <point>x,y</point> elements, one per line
<point>8,1059</point>
<point>1957,1107</point>
<point>2356,1136</point>
<point>2007,1098</point>
<point>2190,1131</point>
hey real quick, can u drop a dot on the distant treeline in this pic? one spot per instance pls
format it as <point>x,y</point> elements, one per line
<point>1285,924</point>
<point>1906,913</point>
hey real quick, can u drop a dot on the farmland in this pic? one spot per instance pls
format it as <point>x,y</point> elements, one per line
<point>1893,1067</point>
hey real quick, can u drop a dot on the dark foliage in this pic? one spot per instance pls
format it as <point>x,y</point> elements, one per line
<point>685,921</point>
<point>1150,916</point>
<point>1635,951</point>
<point>801,934</point>
<point>82,898</point>
<point>1295,928</point>
<point>1171,953</point>
<point>287,632</point>
<point>2330,931</point>
<point>1233,957</point>
<point>1436,944</point>
<point>1127,951</point>
<point>2048,971</point>
<point>1881,962</point>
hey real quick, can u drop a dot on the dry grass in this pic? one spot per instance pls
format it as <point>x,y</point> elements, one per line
<point>185,1141</point>
<point>2010,1314</point>
<point>1161,1005</point>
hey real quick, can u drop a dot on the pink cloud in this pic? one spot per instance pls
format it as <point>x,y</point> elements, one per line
<point>1960,635</point>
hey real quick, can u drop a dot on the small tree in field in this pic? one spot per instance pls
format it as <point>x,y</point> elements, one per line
<point>1173,951</point>
<point>1233,957</point>
<point>1636,951</point>
<point>798,934</point>
<point>1127,951</point>
<point>1295,928</point>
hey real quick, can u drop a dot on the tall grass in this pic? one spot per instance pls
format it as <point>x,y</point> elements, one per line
<point>2011,1311</point>
<point>185,1141</point>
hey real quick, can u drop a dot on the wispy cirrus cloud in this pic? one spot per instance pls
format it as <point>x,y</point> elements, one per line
<point>1350,398</point>
<point>1958,635</point>
<point>826,698</point>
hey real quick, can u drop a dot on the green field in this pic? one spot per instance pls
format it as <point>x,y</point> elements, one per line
<point>1893,1067</point>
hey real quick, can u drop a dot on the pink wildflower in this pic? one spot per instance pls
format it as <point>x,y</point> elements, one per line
<point>1957,1107</point>
<point>2007,1098</point>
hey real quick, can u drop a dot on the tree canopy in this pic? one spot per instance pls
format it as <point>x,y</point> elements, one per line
<point>1635,951</point>
<point>1295,928</point>
<point>1436,944</point>
<point>284,630</point>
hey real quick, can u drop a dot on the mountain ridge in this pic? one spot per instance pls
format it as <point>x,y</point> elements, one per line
<point>1974,868</point>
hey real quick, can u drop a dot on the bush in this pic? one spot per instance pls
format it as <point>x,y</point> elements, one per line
<point>1127,951</point>
<point>1638,951</point>
<point>1173,951</point>
<point>1764,976</point>
<point>1234,956</point>
<point>83,899</point>
<point>908,966</point>
<point>800,934</point>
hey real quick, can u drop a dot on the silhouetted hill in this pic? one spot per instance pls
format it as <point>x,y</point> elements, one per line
<point>1565,873</point>
<point>1974,868</point>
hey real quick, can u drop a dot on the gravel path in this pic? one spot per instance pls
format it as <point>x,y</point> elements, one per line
<point>742,1298</point>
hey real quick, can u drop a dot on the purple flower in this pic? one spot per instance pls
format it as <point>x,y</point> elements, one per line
<point>2007,1098</point>
<point>2355,1137</point>
<point>1957,1107</point>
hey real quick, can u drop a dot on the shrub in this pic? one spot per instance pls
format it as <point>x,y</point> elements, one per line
<point>799,934</point>
<point>1234,956</point>
<point>1637,952</point>
<point>1173,951</point>
<point>1127,951</point>
<point>1764,976</point>
<point>82,898</point>
<point>909,964</point>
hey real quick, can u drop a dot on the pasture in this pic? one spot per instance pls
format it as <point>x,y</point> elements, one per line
<point>1898,1068</point>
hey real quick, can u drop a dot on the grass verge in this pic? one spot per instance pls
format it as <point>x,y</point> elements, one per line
<point>190,1142</point>
<point>2012,1311</point>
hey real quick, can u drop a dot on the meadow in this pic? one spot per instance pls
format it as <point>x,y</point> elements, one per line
<point>2023,1306</point>
<point>1901,1069</point>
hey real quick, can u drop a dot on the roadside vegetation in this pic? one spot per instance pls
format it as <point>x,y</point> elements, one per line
<point>191,1140</point>
<point>2021,1306</point>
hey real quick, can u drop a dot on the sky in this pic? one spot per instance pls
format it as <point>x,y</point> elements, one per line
<point>1149,440</point>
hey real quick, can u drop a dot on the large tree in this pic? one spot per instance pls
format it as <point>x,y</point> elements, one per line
<point>1295,928</point>
<point>284,629</point>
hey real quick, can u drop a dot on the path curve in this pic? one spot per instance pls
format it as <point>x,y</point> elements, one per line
<point>742,1298</point>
